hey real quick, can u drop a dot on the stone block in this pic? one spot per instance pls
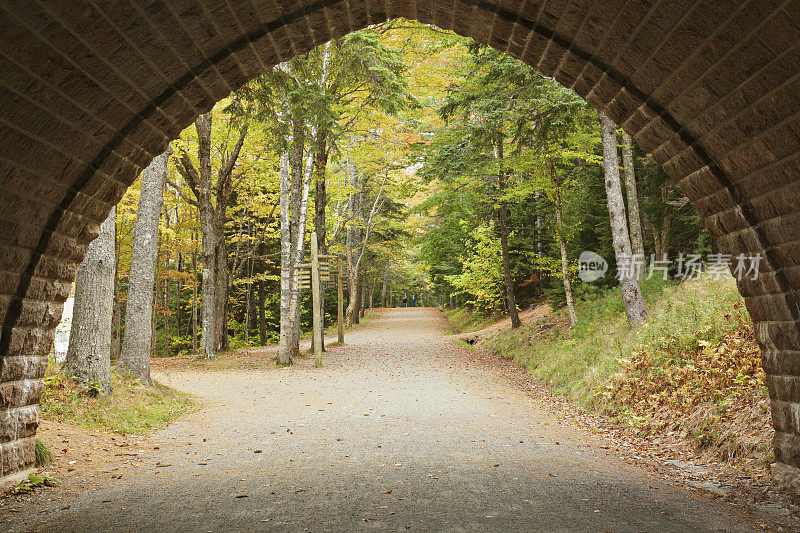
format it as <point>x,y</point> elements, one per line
<point>17,455</point>
<point>786,477</point>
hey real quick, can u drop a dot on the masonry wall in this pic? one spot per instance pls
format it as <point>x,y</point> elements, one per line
<point>87,98</point>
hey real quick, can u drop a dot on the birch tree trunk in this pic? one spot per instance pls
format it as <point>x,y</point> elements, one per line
<point>573,316</point>
<point>635,308</point>
<point>352,313</point>
<point>352,243</point>
<point>634,220</point>
<point>285,349</point>
<point>297,252</point>
<point>135,355</point>
<point>88,357</point>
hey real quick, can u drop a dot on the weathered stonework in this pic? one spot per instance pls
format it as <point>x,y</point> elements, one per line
<point>710,88</point>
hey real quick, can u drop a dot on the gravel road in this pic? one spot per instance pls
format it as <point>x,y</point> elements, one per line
<point>400,430</point>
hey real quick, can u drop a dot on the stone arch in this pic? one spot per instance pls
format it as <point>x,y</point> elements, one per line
<point>89,93</point>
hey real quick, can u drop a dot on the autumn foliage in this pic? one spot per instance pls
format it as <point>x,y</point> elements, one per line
<point>714,395</point>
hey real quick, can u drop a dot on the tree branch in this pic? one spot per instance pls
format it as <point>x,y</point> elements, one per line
<point>226,169</point>
<point>182,194</point>
<point>189,173</point>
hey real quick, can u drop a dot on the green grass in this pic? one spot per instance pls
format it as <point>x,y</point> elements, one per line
<point>131,408</point>
<point>579,362</point>
<point>466,320</point>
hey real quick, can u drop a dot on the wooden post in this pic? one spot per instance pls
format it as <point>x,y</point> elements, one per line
<point>315,301</point>
<point>340,302</point>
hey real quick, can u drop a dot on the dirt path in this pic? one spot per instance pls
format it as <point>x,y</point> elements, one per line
<point>399,431</point>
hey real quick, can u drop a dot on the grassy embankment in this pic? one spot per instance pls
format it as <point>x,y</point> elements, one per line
<point>692,371</point>
<point>465,320</point>
<point>131,408</point>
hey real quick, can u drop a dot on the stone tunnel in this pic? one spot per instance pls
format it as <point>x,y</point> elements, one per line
<point>92,90</point>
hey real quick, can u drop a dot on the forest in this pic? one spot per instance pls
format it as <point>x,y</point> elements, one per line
<point>440,171</point>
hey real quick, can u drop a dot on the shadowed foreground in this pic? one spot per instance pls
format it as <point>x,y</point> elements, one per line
<point>399,431</point>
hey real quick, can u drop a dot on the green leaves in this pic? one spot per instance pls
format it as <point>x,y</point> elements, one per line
<point>34,481</point>
<point>481,278</point>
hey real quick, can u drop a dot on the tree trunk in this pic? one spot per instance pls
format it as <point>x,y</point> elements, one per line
<point>295,183</point>
<point>632,299</point>
<point>297,253</point>
<point>634,220</point>
<point>573,316</point>
<point>212,225</point>
<point>663,237</point>
<point>208,257</point>
<point>153,324</point>
<point>666,225</point>
<point>262,313</point>
<point>352,243</point>
<point>116,320</point>
<point>384,286</point>
<point>371,290</point>
<point>194,302</point>
<point>248,299</point>
<point>353,293</point>
<point>208,236</point>
<point>88,357</point>
<point>650,233</point>
<point>116,325</point>
<point>501,215</point>
<point>285,348</point>
<point>296,162</point>
<point>135,355</point>
<point>222,284</point>
<point>178,290</point>
<point>165,282</point>
<point>362,291</point>
<point>320,203</point>
<point>353,289</point>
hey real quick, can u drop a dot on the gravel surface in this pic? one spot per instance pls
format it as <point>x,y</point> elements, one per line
<point>400,430</point>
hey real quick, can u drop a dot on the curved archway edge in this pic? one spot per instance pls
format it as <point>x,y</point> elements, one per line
<point>91,93</point>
